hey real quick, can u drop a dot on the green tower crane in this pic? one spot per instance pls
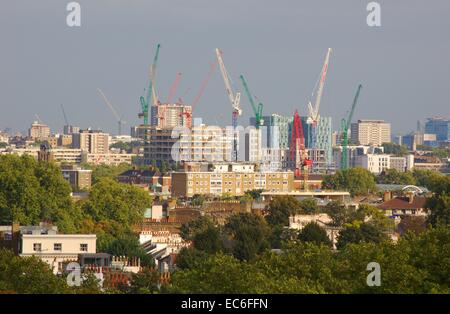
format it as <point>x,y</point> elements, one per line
<point>145,102</point>
<point>257,110</point>
<point>345,125</point>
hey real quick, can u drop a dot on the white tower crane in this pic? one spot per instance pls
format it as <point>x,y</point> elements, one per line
<point>234,100</point>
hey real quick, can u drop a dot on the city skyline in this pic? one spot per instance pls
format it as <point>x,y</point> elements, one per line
<point>279,48</point>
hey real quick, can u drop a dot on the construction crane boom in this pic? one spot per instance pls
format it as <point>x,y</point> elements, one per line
<point>113,110</point>
<point>234,98</point>
<point>145,101</point>
<point>64,114</point>
<point>173,88</point>
<point>257,110</point>
<point>314,115</point>
<point>345,125</point>
<point>153,76</point>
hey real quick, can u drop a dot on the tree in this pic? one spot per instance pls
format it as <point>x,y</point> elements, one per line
<point>248,234</point>
<point>312,232</point>
<point>392,176</point>
<point>365,232</point>
<point>189,230</point>
<point>281,208</point>
<point>190,258</point>
<point>254,194</point>
<point>28,275</point>
<point>395,149</point>
<point>32,191</point>
<point>439,210</point>
<point>357,181</point>
<point>414,224</point>
<point>120,202</point>
<point>309,206</point>
<point>209,240</point>
<point>338,213</point>
<point>128,245</point>
<point>106,171</point>
<point>197,200</point>
<point>145,282</point>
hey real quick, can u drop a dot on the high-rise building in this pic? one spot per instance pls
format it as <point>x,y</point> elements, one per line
<point>168,116</point>
<point>39,131</point>
<point>439,126</point>
<point>322,153</point>
<point>276,129</point>
<point>70,129</point>
<point>91,141</point>
<point>253,145</point>
<point>371,132</point>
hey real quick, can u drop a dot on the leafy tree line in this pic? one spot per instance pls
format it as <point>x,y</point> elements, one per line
<point>32,191</point>
<point>416,264</point>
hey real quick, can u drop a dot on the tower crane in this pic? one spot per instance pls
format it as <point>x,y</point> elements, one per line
<point>313,111</point>
<point>151,91</point>
<point>212,67</point>
<point>64,114</point>
<point>298,151</point>
<point>345,125</point>
<point>120,122</point>
<point>234,100</point>
<point>173,88</point>
<point>257,110</point>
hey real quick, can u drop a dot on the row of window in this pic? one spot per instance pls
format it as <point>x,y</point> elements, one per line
<point>37,247</point>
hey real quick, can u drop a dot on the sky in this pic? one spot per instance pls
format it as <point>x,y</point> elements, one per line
<point>279,46</point>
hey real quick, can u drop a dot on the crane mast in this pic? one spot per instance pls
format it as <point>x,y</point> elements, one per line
<point>257,110</point>
<point>234,100</point>
<point>345,125</point>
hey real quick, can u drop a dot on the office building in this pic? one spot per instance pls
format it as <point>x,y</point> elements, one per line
<point>276,131</point>
<point>371,132</point>
<point>439,126</point>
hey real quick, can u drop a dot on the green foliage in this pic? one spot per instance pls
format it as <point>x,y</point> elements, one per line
<point>309,206</point>
<point>32,191</point>
<point>254,194</point>
<point>197,200</point>
<point>123,203</point>
<point>414,224</point>
<point>145,281</point>
<point>338,213</point>
<point>395,149</point>
<point>281,208</point>
<point>209,240</point>
<point>3,144</point>
<point>28,275</point>
<point>248,235</point>
<point>439,203</point>
<point>190,258</point>
<point>128,245</point>
<point>189,230</point>
<point>357,181</point>
<point>312,232</point>
<point>364,233</point>
<point>392,176</point>
<point>106,171</point>
<point>416,264</point>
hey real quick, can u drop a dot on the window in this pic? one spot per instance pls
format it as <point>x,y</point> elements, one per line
<point>57,246</point>
<point>37,247</point>
<point>83,247</point>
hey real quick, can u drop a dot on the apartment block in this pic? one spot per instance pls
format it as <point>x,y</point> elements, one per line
<point>234,183</point>
<point>371,132</point>
<point>77,177</point>
<point>91,141</point>
<point>375,163</point>
<point>439,126</point>
<point>38,131</point>
<point>168,116</point>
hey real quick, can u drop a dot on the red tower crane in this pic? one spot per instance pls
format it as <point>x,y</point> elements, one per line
<point>298,152</point>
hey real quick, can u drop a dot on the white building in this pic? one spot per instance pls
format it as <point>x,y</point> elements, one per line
<point>53,248</point>
<point>253,145</point>
<point>371,132</point>
<point>375,163</point>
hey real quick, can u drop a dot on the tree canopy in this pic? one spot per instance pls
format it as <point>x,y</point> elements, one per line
<point>357,181</point>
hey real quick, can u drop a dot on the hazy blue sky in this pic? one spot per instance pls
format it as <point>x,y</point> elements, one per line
<point>278,45</point>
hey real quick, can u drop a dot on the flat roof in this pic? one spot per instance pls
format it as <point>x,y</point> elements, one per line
<point>309,193</point>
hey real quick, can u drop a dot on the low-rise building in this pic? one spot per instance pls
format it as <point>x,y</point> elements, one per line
<point>78,178</point>
<point>112,159</point>
<point>233,180</point>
